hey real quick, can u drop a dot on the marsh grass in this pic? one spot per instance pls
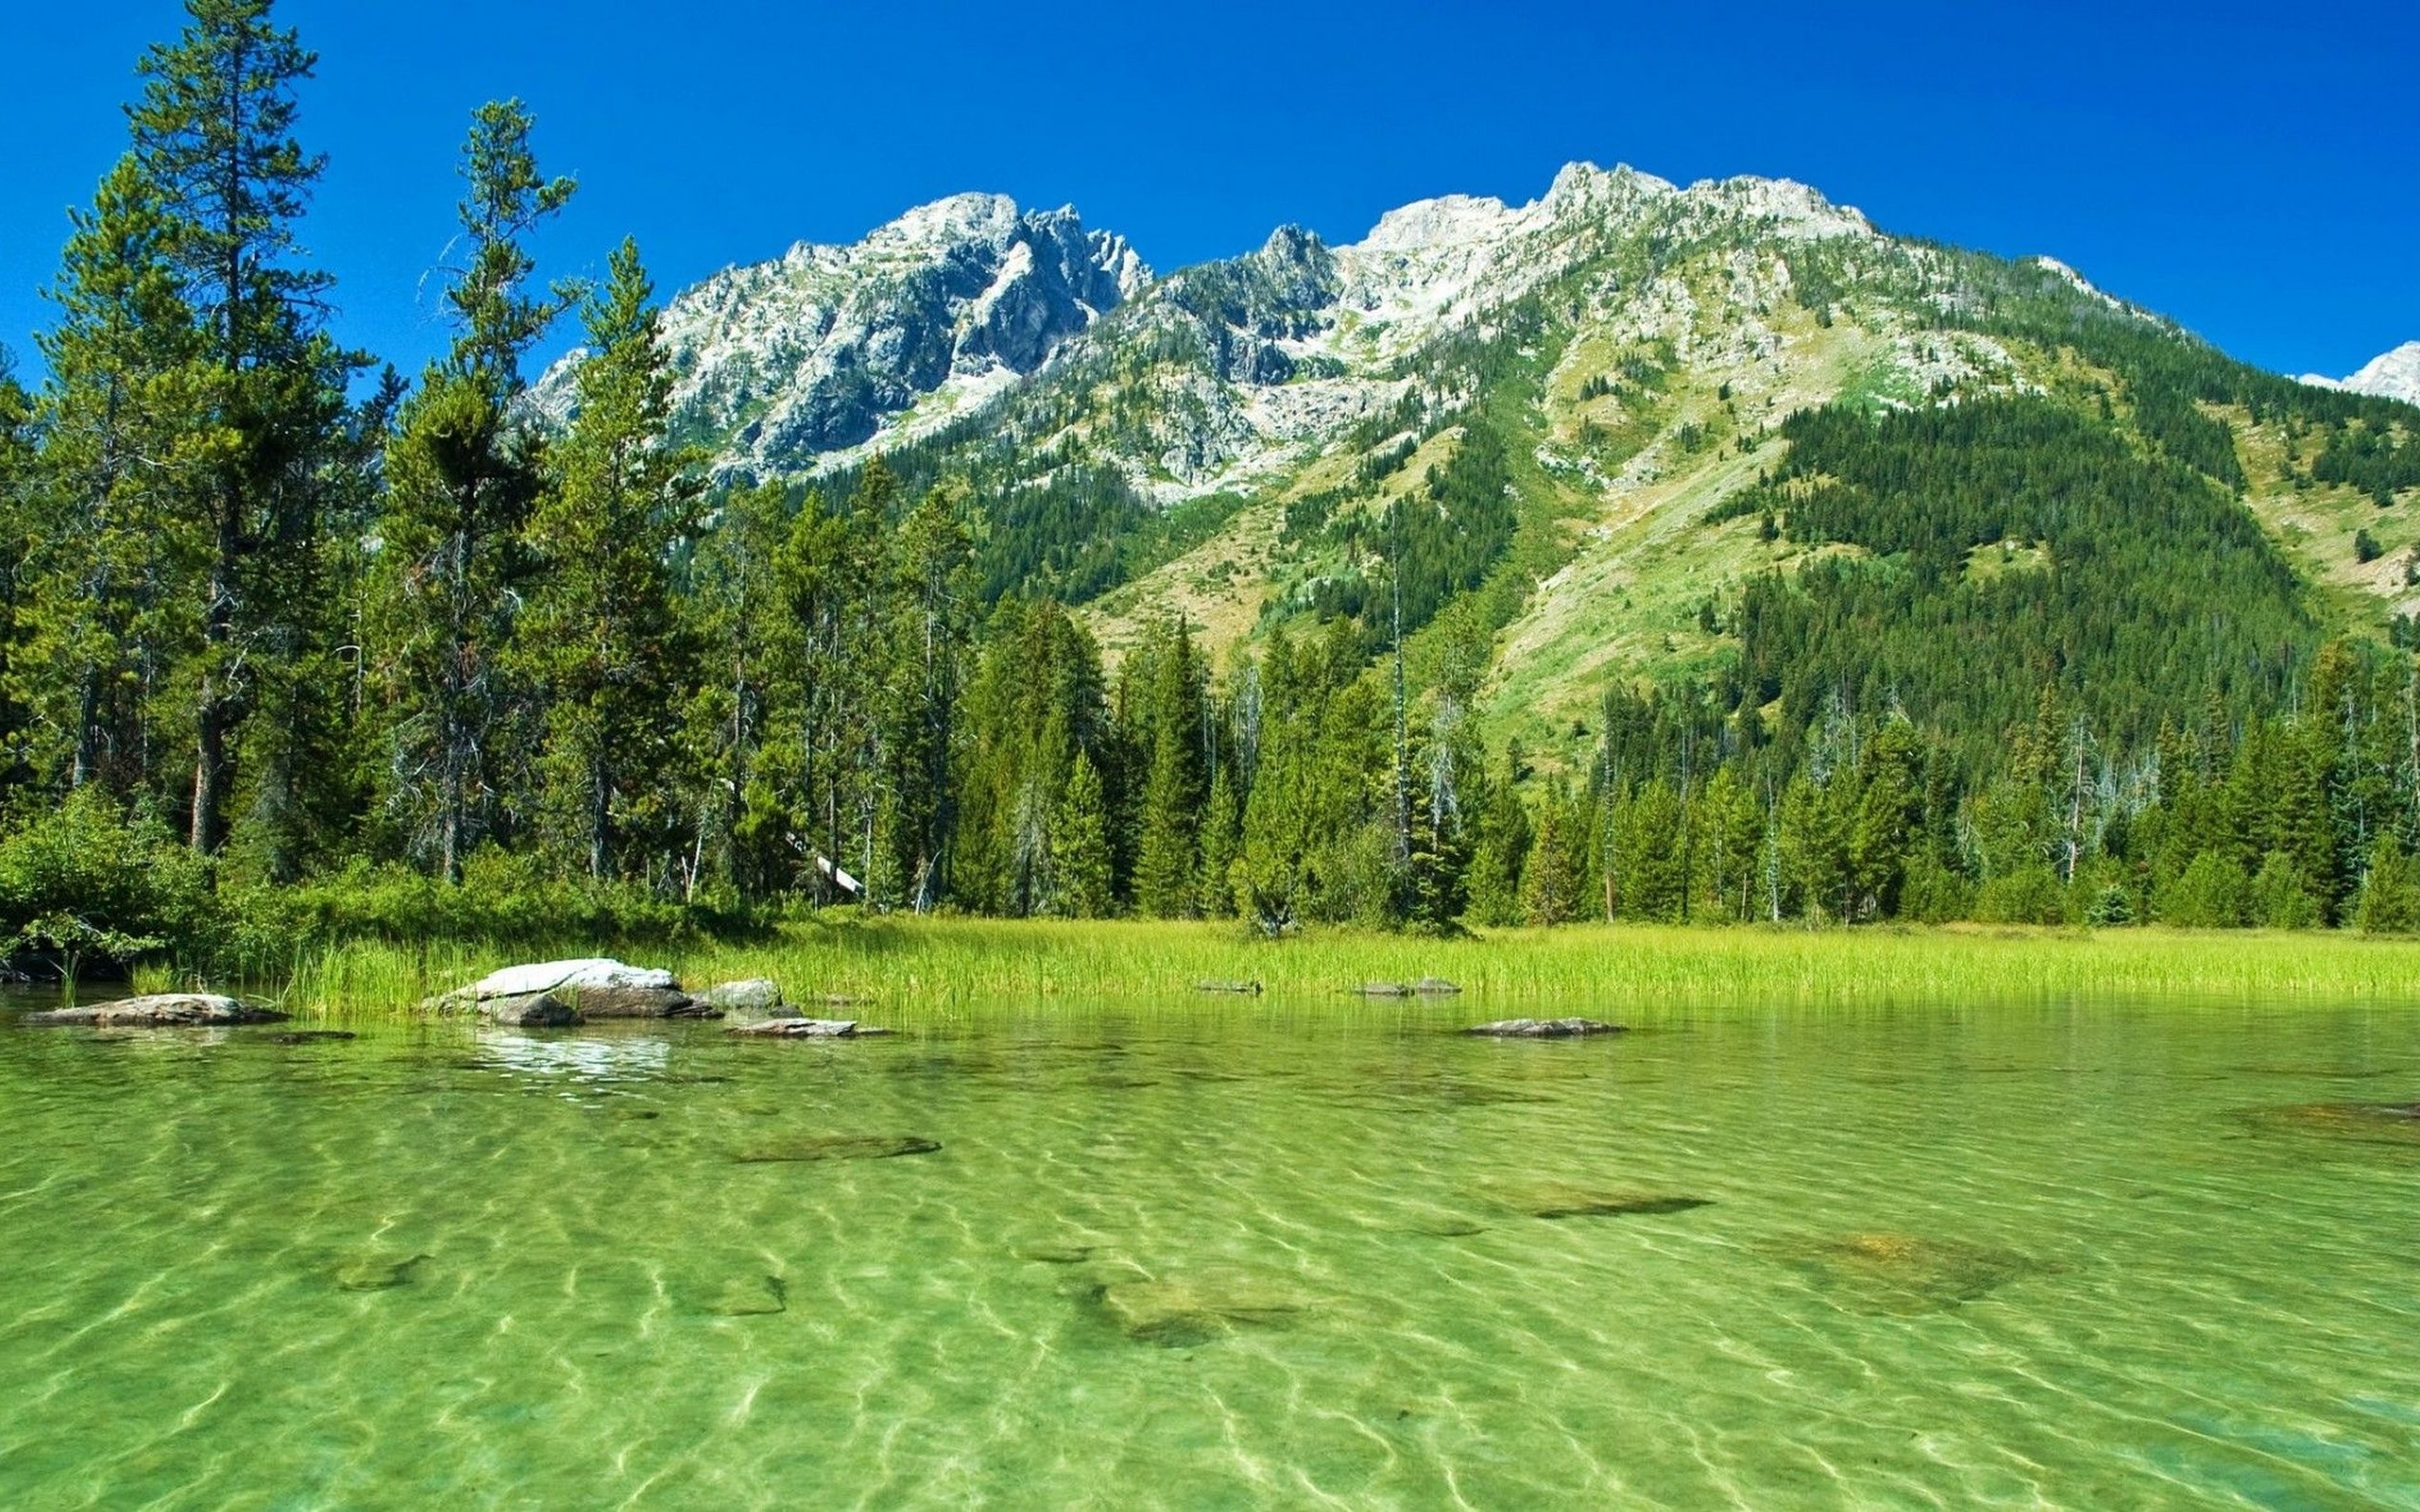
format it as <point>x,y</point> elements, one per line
<point>948,966</point>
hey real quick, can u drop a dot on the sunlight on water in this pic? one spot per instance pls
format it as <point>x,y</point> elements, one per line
<point>1221,1255</point>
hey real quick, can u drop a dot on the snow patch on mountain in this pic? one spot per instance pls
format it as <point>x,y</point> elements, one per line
<point>2392,375</point>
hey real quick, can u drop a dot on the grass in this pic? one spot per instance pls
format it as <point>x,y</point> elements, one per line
<point>912,967</point>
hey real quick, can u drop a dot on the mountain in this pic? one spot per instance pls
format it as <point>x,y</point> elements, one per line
<point>1572,446</point>
<point>2393,375</point>
<point>785,363</point>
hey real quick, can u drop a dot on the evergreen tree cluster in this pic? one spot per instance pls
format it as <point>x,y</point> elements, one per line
<point>269,616</point>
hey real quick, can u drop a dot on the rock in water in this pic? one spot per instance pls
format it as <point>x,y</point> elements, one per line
<point>1242,988</point>
<point>806,1029</point>
<point>1180,1313</point>
<point>1382,990</point>
<point>595,1003</point>
<point>752,1296</point>
<point>164,1010</point>
<point>756,995</point>
<point>557,993</point>
<point>312,1037</point>
<point>1436,987</point>
<point>531,1010</point>
<point>1544,1028</point>
<point>837,1148</point>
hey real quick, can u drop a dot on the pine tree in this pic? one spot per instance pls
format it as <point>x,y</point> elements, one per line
<point>1080,847</point>
<point>1501,855</point>
<point>600,636</point>
<point>1169,734</point>
<point>123,435</point>
<point>213,134</point>
<point>18,457</point>
<point>463,473</point>
<point>928,623</point>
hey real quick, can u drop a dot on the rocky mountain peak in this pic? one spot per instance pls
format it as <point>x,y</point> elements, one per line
<point>2390,375</point>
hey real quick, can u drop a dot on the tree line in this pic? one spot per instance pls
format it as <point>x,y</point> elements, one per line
<point>305,616</point>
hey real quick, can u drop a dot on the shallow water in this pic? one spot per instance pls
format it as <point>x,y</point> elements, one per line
<point>1221,1254</point>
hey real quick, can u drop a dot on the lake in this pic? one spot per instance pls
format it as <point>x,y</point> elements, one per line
<point>1221,1253</point>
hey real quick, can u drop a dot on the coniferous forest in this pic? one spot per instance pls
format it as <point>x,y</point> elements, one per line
<point>293,645</point>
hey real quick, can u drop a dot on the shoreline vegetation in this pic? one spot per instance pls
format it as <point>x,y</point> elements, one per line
<point>921,968</point>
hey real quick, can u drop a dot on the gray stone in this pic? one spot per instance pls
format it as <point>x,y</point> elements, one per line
<point>1383,989</point>
<point>531,1010</point>
<point>756,995</point>
<point>1544,1028</point>
<point>806,1029</point>
<point>1436,987</point>
<point>595,1003</point>
<point>165,1010</point>
<point>1250,989</point>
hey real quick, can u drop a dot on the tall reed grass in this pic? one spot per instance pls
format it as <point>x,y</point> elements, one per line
<point>959,963</point>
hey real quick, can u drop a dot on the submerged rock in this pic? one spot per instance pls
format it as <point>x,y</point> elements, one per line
<point>1056,1254</point>
<point>1382,990</point>
<point>311,1036</point>
<point>751,1297</point>
<point>756,995</point>
<point>1181,1312</point>
<point>377,1273</point>
<point>1544,1028</point>
<point>837,1148</point>
<point>1436,987</point>
<point>1557,1200</point>
<point>808,1029</point>
<point>161,1010</point>
<point>1242,989</point>
<point>2360,1123</point>
<point>1909,1272</point>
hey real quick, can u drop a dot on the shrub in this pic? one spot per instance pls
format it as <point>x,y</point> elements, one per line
<point>2389,894</point>
<point>83,885</point>
<point>2211,893</point>
<point>2280,898</point>
<point>2029,894</point>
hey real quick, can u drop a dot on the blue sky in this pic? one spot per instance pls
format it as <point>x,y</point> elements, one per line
<point>2252,170</point>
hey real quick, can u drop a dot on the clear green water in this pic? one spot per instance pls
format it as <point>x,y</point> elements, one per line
<point>1221,1255</point>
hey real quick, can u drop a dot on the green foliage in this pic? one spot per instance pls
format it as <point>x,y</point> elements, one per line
<point>82,884</point>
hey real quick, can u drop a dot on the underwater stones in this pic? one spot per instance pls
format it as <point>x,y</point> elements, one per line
<point>1186,1311</point>
<point>1239,988</point>
<point>836,1147</point>
<point>1544,1028</point>
<point>2358,1123</point>
<point>806,1029</point>
<point>1436,987</point>
<point>1056,1254</point>
<point>756,995</point>
<point>161,1010</point>
<point>1559,1199</point>
<point>751,1297</point>
<point>1910,1273</point>
<point>377,1273</point>
<point>311,1036</point>
<point>1380,990</point>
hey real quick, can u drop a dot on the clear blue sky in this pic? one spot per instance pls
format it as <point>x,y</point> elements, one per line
<point>2252,170</point>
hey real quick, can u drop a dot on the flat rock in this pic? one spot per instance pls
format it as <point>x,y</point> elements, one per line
<point>1544,1028</point>
<point>545,977</point>
<point>1559,1199</point>
<point>1382,990</point>
<point>1437,986</point>
<point>1242,988</point>
<point>163,1010</point>
<point>756,995</point>
<point>806,1029</point>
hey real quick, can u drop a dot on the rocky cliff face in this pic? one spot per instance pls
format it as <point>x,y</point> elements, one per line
<point>784,363</point>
